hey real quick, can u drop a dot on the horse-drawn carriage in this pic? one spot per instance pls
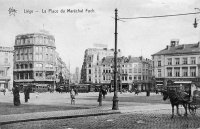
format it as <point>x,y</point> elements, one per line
<point>187,95</point>
<point>194,104</point>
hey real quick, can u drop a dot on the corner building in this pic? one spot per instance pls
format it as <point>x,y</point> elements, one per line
<point>178,63</point>
<point>6,67</point>
<point>34,60</point>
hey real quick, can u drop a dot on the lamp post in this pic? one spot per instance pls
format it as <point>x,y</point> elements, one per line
<point>115,97</point>
<point>196,20</point>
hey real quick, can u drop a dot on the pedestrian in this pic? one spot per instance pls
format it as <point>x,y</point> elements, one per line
<point>136,91</point>
<point>16,95</point>
<point>26,93</point>
<point>4,91</point>
<point>104,92</point>
<point>72,95</point>
<point>100,97</point>
<point>76,91</point>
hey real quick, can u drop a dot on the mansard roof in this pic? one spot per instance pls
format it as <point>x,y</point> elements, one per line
<point>110,60</point>
<point>180,49</point>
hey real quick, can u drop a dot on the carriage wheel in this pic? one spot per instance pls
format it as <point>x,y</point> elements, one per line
<point>192,109</point>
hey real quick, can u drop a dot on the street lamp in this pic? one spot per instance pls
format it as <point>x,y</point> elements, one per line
<point>115,97</point>
<point>196,20</point>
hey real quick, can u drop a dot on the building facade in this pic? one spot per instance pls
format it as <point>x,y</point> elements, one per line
<point>62,72</point>
<point>133,72</point>
<point>178,63</point>
<point>90,72</point>
<point>6,67</point>
<point>34,59</point>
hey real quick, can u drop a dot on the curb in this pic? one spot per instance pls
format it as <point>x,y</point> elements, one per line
<point>59,117</point>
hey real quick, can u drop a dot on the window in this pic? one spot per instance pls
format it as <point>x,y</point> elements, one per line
<point>139,70</point>
<point>125,78</point>
<point>177,61</point>
<point>22,54</point>
<point>135,77</point>
<point>26,75</point>
<point>26,66</point>
<point>18,42</point>
<point>169,72</point>
<point>1,73</point>
<point>17,66</point>
<point>159,63</point>
<point>193,60</point>
<point>31,75</point>
<point>139,77</point>
<point>22,66</point>
<point>130,77</point>
<point>169,61</point>
<point>184,60</point>
<point>185,71</point>
<point>192,71</point>
<point>18,54</point>
<point>89,71</point>
<point>30,65</point>
<point>130,70</point>
<point>21,75</point>
<point>177,72</point>
<point>159,72</point>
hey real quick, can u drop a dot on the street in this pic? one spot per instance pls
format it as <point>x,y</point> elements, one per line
<point>137,111</point>
<point>152,120</point>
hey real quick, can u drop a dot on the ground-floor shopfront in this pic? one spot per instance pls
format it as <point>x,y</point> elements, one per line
<point>36,86</point>
<point>6,84</point>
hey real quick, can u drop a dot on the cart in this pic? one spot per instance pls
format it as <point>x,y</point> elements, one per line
<point>195,100</point>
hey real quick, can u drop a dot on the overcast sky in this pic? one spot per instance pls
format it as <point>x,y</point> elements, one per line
<point>75,32</point>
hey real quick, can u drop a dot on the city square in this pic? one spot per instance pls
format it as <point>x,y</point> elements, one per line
<point>136,111</point>
<point>93,64</point>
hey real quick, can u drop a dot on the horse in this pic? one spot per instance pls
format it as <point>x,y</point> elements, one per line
<point>177,98</point>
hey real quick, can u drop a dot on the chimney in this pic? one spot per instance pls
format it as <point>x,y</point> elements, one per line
<point>167,47</point>
<point>174,42</point>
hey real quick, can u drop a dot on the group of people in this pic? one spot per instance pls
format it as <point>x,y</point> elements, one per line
<point>16,95</point>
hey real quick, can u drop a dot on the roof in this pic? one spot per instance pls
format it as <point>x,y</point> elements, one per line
<point>110,59</point>
<point>180,49</point>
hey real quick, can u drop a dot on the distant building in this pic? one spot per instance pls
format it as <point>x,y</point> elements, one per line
<point>76,76</point>
<point>6,67</point>
<point>90,72</point>
<point>133,72</point>
<point>61,70</point>
<point>34,60</point>
<point>178,63</point>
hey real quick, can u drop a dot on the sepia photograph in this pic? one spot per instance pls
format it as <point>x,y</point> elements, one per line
<point>100,64</point>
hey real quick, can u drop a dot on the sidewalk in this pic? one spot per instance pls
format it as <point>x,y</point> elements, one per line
<point>14,118</point>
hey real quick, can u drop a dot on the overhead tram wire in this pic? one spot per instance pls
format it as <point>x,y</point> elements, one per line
<point>159,16</point>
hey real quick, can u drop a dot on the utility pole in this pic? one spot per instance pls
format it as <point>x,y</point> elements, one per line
<point>115,97</point>
<point>69,77</point>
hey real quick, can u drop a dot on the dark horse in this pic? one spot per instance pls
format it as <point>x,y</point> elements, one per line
<point>177,98</point>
